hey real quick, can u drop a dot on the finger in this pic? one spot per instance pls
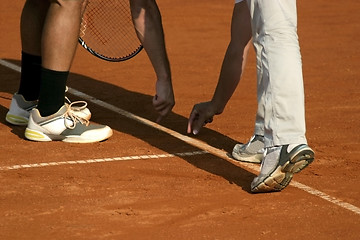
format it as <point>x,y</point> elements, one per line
<point>163,114</point>
<point>159,118</point>
<point>155,100</point>
<point>209,120</point>
<point>160,104</point>
<point>162,107</point>
<point>192,118</point>
<point>198,124</point>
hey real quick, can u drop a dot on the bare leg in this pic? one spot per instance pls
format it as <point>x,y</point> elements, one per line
<point>58,46</point>
<point>60,34</point>
<point>31,25</point>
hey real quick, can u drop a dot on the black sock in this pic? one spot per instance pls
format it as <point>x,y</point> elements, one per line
<point>52,91</point>
<point>30,76</point>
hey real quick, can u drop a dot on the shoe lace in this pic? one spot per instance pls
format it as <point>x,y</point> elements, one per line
<point>66,98</point>
<point>74,118</point>
<point>253,144</point>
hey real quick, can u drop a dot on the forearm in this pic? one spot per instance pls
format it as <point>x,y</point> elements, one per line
<point>230,74</point>
<point>235,57</point>
<point>148,25</point>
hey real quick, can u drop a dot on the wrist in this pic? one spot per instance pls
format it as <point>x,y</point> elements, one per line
<point>217,106</point>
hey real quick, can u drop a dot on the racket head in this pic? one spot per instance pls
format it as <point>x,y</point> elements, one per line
<point>107,30</point>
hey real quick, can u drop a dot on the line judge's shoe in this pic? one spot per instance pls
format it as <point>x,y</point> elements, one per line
<point>279,165</point>
<point>64,126</point>
<point>19,110</point>
<point>253,151</point>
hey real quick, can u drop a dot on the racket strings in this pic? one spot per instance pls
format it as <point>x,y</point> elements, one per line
<point>108,29</point>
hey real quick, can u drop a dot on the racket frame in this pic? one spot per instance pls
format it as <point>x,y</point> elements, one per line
<point>110,59</point>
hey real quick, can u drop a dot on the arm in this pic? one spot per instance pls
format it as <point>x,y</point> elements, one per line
<point>148,25</point>
<point>230,73</point>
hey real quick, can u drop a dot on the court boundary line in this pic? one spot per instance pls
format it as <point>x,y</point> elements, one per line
<point>196,143</point>
<point>101,160</point>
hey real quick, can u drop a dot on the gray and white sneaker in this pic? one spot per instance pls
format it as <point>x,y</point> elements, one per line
<point>279,165</point>
<point>19,110</point>
<point>253,151</point>
<point>79,110</point>
<point>64,126</point>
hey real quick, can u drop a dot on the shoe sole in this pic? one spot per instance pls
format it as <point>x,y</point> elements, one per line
<point>283,174</point>
<point>16,120</point>
<point>38,136</point>
<point>250,158</point>
<point>257,158</point>
<point>22,121</point>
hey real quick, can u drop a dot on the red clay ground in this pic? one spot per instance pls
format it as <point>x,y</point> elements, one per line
<point>191,197</point>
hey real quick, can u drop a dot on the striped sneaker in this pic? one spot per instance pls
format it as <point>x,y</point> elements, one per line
<point>253,151</point>
<point>64,126</point>
<point>279,165</point>
<point>19,110</point>
<point>79,110</point>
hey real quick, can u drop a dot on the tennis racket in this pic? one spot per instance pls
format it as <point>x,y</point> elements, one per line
<point>107,30</point>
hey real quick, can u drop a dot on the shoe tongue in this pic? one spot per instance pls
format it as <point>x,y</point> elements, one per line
<point>60,112</point>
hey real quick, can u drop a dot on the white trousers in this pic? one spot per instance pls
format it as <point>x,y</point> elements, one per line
<point>280,115</point>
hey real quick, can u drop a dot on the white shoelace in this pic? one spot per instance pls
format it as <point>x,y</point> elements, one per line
<point>74,118</point>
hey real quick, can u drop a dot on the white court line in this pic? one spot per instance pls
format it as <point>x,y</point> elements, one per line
<point>10,65</point>
<point>101,160</point>
<point>197,143</point>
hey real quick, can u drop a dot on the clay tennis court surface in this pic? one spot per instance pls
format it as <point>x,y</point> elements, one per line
<point>149,183</point>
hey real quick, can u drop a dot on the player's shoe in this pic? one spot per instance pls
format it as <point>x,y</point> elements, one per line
<point>19,110</point>
<point>64,126</point>
<point>279,165</point>
<point>253,151</point>
<point>80,110</point>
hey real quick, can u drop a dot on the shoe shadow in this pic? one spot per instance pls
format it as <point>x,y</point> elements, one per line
<point>140,105</point>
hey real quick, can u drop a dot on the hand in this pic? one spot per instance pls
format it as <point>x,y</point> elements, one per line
<point>163,100</point>
<point>201,114</point>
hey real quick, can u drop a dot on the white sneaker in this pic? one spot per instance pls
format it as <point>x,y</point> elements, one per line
<point>79,108</point>
<point>253,151</point>
<point>81,111</point>
<point>64,126</point>
<point>279,165</point>
<point>19,110</point>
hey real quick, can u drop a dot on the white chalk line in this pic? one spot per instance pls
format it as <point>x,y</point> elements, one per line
<point>101,160</point>
<point>10,65</point>
<point>326,197</point>
<point>197,143</point>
